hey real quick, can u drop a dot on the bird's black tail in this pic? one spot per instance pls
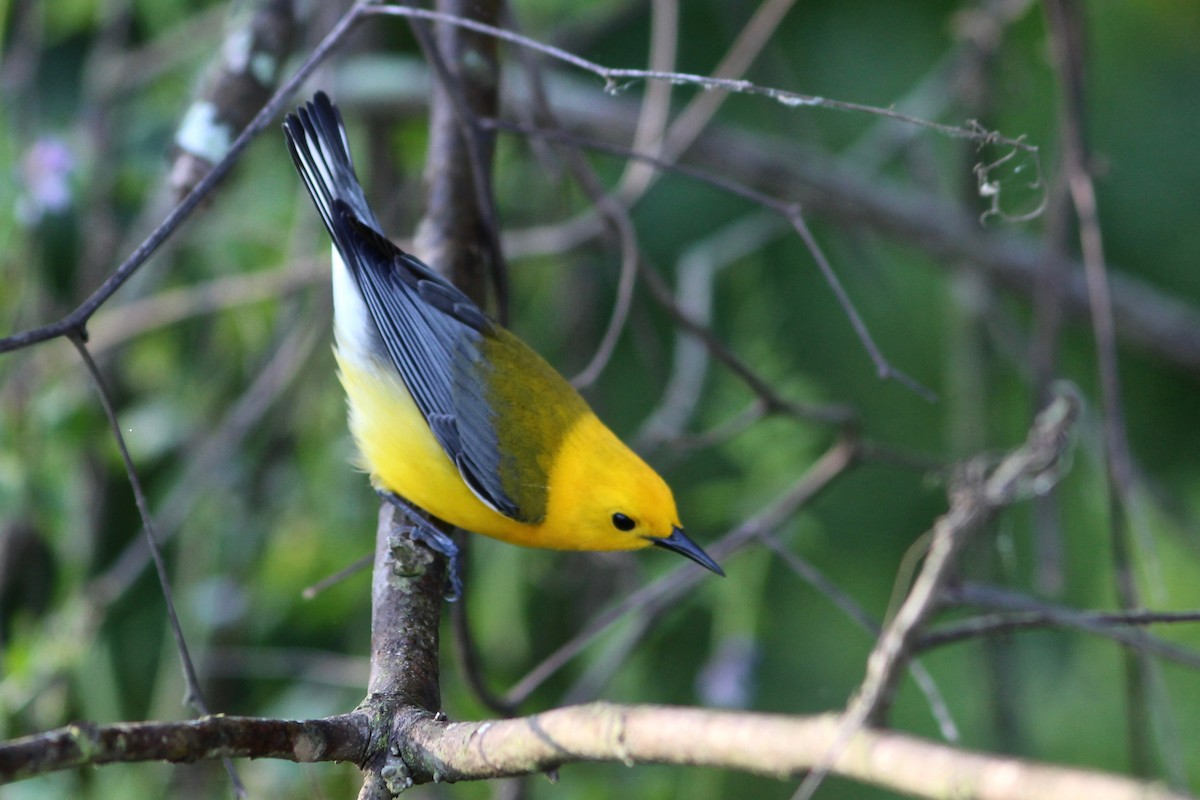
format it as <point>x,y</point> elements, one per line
<point>317,141</point>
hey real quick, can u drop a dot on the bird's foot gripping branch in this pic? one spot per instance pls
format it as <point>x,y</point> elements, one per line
<point>422,530</point>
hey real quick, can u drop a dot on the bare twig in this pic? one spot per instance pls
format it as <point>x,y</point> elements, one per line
<point>698,113</point>
<point>617,79</point>
<point>756,167</point>
<point>975,498</point>
<point>1066,19</point>
<point>655,110</point>
<point>75,626</point>
<point>213,446</point>
<point>697,269</point>
<point>630,259</point>
<point>789,210</point>
<point>195,695</point>
<point>334,579</point>
<point>617,216</point>
<point>723,431</point>
<point>1029,614</point>
<point>848,606</point>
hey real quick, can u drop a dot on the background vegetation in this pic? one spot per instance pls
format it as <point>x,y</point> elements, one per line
<point>218,355</point>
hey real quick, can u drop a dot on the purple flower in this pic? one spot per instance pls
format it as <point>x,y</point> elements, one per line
<point>45,179</point>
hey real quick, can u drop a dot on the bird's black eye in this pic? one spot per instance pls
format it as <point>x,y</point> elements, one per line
<point>622,522</point>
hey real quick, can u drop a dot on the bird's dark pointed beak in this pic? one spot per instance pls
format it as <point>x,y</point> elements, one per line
<point>678,542</point>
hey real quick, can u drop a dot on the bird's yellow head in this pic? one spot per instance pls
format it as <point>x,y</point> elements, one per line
<point>613,500</point>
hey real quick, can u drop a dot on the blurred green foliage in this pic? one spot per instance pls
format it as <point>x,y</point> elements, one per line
<point>236,421</point>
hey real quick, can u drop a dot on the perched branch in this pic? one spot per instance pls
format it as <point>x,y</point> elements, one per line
<point>406,600</point>
<point>774,746</point>
<point>454,236</point>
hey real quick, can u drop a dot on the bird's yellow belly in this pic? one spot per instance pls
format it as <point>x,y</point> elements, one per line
<point>401,454</point>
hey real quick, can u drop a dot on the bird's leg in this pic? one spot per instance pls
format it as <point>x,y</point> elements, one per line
<point>423,531</point>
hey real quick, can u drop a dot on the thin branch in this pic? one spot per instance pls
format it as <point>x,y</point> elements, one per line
<point>75,626</point>
<point>1066,20</point>
<point>212,447</point>
<point>850,607</point>
<point>630,259</point>
<point>789,210</point>
<point>640,175</point>
<point>1112,626</point>
<point>697,269</point>
<point>617,216</point>
<point>723,431</point>
<point>883,367</point>
<point>616,80</point>
<point>195,695</point>
<point>978,493</point>
<point>655,110</point>
<point>698,113</point>
<point>1021,612</point>
<point>662,293</point>
<point>329,581</point>
<point>754,166</point>
<point>831,414</point>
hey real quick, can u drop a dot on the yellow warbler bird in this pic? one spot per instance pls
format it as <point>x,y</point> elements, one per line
<point>452,412</point>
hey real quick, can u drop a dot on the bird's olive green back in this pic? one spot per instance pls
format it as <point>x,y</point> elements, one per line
<point>534,409</point>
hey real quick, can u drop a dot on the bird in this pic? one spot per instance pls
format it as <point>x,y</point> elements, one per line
<point>451,412</point>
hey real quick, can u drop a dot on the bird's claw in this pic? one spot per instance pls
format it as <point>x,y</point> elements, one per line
<point>423,531</point>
